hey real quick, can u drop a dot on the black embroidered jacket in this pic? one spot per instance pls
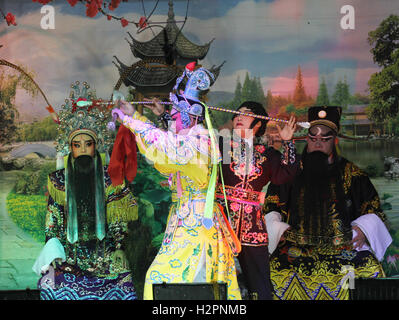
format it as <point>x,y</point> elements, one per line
<point>246,170</point>
<point>359,198</point>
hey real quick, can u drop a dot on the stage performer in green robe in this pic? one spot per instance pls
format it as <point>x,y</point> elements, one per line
<point>87,216</point>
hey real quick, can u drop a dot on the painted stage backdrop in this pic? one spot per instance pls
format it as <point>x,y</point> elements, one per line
<point>287,54</point>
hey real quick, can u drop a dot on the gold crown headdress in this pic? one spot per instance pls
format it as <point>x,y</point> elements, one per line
<point>75,119</point>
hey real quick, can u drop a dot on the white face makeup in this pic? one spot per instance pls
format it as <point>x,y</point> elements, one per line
<point>320,138</point>
<point>242,124</point>
<point>82,144</point>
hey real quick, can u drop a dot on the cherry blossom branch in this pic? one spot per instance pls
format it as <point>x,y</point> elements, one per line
<point>10,18</point>
<point>93,7</point>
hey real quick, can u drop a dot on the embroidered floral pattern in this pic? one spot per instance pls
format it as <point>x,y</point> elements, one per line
<point>245,175</point>
<point>260,148</point>
<point>234,206</point>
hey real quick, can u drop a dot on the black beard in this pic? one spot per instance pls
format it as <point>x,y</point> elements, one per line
<point>84,165</point>
<point>315,167</point>
<point>312,192</point>
<point>84,186</point>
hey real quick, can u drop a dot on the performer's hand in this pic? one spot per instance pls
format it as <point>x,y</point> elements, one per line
<point>126,107</point>
<point>288,131</point>
<point>360,238</point>
<point>155,106</point>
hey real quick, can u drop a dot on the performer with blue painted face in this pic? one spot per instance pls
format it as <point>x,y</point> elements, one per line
<point>198,245</point>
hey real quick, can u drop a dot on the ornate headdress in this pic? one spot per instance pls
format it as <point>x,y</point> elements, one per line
<point>188,102</point>
<point>91,120</point>
<point>75,120</point>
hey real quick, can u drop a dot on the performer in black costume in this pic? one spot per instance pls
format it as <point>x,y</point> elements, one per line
<point>248,165</point>
<point>326,223</point>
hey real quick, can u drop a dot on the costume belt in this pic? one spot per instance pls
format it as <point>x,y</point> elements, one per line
<point>241,195</point>
<point>192,195</point>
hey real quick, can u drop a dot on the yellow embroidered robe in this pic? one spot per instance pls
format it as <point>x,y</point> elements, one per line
<point>189,252</point>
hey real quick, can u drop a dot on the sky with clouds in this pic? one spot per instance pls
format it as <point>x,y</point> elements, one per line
<point>268,39</point>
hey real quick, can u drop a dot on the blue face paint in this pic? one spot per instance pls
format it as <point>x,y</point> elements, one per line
<point>188,102</point>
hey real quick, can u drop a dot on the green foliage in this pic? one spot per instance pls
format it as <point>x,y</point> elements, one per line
<point>384,40</point>
<point>140,252</point>
<point>386,206</point>
<point>251,90</point>
<point>9,82</point>
<point>44,130</point>
<point>33,182</point>
<point>386,196</point>
<point>237,93</point>
<point>28,212</point>
<point>297,112</point>
<point>157,241</point>
<point>390,263</point>
<point>27,183</point>
<point>146,234</point>
<point>322,96</point>
<point>341,96</point>
<point>290,108</point>
<point>248,88</point>
<point>8,127</point>
<point>26,204</point>
<point>384,93</point>
<point>221,118</point>
<point>384,86</point>
<point>359,98</point>
<point>154,198</point>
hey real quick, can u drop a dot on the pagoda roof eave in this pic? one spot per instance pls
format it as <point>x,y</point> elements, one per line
<point>155,47</point>
<point>148,77</point>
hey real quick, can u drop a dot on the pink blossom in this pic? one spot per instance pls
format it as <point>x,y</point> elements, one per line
<point>72,2</point>
<point>10,19</point>
<point>124,22</point>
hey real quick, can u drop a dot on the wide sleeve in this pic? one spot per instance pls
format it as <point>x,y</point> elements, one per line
<point>363,195</point>
<point>55,224</point>
<point>121,209</point>
<point>54,230</point>
<point>159,145</point>
<point>171,152</point>
<point>276,199</point>
<point>276,214</point>
<point>282,168</point>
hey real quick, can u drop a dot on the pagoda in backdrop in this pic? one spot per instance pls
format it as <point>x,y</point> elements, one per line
<point>162,61</point>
